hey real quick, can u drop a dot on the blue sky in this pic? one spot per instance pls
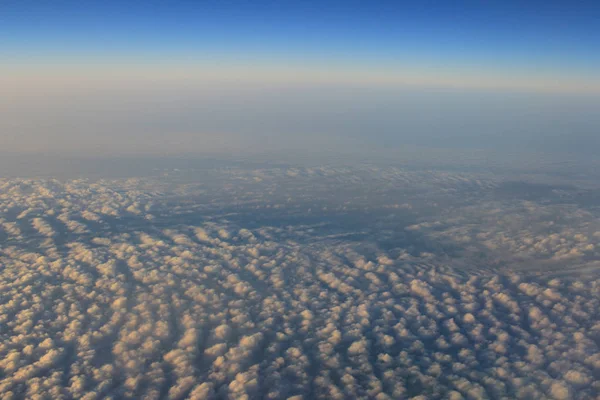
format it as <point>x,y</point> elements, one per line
<point>556,36</point>
<point>72,68</point>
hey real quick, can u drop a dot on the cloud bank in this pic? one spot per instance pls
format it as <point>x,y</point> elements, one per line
<point>145,288</point>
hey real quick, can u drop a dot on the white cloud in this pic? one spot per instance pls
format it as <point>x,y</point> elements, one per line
<point>215,310</point>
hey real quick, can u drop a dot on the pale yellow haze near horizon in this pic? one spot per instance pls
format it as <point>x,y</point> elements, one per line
<point>166,108</point>
<point>16,79</point>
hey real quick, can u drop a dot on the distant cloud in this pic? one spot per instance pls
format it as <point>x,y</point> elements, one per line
<point>101,304</point>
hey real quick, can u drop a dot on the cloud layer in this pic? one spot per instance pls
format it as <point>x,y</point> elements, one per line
<point>152,288</point>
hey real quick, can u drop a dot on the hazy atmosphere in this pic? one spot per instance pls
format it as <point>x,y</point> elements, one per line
<point>296,200</point>
<point>154,78</point>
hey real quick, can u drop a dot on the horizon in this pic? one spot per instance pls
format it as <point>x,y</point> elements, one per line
<point>221,73</point>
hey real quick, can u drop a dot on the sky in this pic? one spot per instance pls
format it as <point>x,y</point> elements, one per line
<point>157,76</point>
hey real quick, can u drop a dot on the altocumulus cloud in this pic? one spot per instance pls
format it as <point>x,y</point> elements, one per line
<point>112,290</point>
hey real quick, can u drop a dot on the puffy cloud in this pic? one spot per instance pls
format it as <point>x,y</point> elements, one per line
<point>248,305</point>
<point>43,227</point>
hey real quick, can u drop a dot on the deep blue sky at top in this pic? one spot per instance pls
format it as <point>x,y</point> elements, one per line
<point>532,36</point>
